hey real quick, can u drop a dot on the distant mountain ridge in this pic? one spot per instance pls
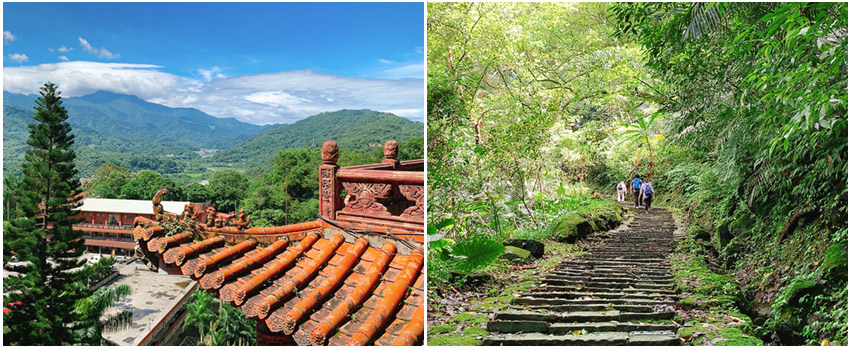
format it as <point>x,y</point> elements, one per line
<point>362,130</point>
<point>133,115</point>
<point>139,135</point>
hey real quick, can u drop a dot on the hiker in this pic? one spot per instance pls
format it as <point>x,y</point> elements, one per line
<point>621,192</point>
<point>636,190</point>
<point>648,193</point>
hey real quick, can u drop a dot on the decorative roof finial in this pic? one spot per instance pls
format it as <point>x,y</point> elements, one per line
<point>391,149</point>
<point>330,152</point>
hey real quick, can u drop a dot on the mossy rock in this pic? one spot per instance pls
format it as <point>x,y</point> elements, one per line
<point>570,228</point>
<point>453,340</point>
<point>699,233</point>
<point>690,329</point>
<point>835,261</point>
<point>797,289</point>
<point>722,235</point>
<point>475,331</point>
<point>730,251</point>
<point>734,337</point>
<point>472,318</point>
<point>515,254</point>
<point>442,328</point>
<point>535,247</point>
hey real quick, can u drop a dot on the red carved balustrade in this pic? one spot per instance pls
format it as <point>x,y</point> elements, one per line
<point>389,196</point>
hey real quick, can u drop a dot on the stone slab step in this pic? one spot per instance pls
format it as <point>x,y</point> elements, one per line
<point>646,291</point>
<point>531,339</point>
<point>579,316</point>
<point>598,295</point>
<point>610,285</point>
<point>612,272</point>
<point>586,307</point>
<point>623,278</point>
<point>557,301</point>
<point>613,326</point>
<point>652,338</point>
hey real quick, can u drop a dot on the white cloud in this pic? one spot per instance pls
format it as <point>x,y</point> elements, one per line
<point>208,74</point>
<point>17,57</point>
<point>415,71</point>
<point>66,49</point>
<point>63,58</point>
<point>385,61</point>
<point>80,78</point>
<point>101,53</point>
<point>275,98</point>
<point>7,37</point>
<point>281,97</point>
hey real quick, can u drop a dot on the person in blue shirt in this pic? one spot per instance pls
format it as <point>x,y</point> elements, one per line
<point>636,191</point>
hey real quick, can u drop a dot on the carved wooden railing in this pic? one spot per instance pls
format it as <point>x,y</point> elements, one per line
<point>389,196</point>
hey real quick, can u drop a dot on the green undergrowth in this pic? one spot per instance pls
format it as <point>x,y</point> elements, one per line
<point>469,328</point>
<point>712,301</point>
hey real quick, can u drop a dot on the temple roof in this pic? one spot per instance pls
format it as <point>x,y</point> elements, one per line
<point>313,281</point>
<point>127,206</point>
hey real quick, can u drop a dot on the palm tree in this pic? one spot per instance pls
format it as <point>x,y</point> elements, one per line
<point>236,329</point>
<point>89,330</point>
<point>201,315</point>
<point>641,133</point>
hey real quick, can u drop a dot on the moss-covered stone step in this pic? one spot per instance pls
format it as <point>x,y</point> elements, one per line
<point>613,272</point>
<point>579,316</point>
<point>614,264</point>
<point>562,281</point>
<point>532,339</point>
<point>525,300</point>
<point>576,277</point>
<point>502,326</point>
<point>612,256</point>
<point>594,338</point>
<point>585,307</point>
<point>651,339</point>
<point>571,294</point>
<point>646,291</point>
<point>624,260</point>
<point>612,326</point>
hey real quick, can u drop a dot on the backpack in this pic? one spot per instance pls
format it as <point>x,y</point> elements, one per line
<point>636,184</point>
<point>648,189</point>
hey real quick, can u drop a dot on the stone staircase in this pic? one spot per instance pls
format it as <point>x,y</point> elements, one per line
<point>620,294</point>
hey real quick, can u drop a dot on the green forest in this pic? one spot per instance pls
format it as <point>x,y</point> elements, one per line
<point>736,112</point>
<point>187,144</point>
<point>273,175</point>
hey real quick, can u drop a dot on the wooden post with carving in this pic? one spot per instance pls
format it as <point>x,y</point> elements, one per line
<point>329,186</point>
<point>391,154</point>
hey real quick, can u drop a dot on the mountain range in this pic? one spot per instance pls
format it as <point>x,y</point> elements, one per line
<point>140,135</point>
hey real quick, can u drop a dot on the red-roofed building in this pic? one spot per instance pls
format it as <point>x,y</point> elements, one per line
<point>354,276</point>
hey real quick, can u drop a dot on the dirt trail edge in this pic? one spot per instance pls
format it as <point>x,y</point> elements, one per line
<point>622,293</point>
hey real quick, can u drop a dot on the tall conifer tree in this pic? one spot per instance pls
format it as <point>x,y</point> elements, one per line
<point>41,297</point>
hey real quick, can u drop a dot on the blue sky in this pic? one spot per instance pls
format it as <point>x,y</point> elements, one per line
<point>258,62</point>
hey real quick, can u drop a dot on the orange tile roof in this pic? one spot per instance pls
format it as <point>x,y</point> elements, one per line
<point>308,282</point>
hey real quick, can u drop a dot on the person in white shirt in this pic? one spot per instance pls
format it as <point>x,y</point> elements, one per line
<point>647,193</point>
<point>621,191</point>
